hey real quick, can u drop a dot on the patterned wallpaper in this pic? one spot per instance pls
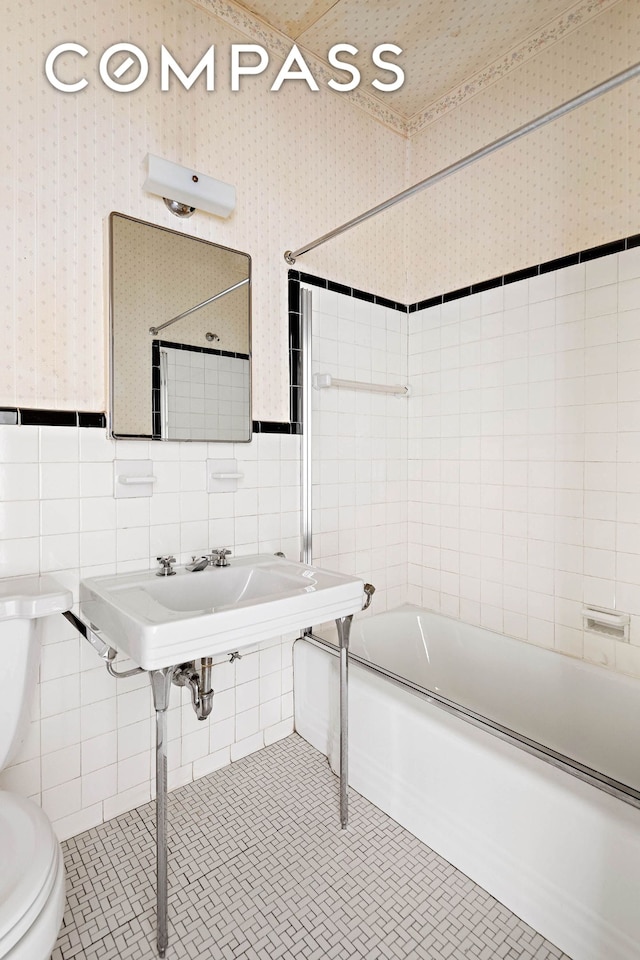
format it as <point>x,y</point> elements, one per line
<point>279,45</point>
<point>555,30</point>
<point>302,163</point>
<point>570,185</point>
<point>70,159</point>
<point>436,37</point>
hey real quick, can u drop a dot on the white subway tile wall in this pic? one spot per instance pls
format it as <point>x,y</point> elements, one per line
<point>503,491</point>
<point>360,444</point>
<point>524,457</point>
<point>88,755</point>
<point>207,396</point>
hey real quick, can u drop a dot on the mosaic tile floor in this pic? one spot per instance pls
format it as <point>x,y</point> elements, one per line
<point>260,870</point>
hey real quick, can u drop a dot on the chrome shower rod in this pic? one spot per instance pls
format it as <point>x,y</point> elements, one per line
<point>291,255</point>
<point>205,303</point>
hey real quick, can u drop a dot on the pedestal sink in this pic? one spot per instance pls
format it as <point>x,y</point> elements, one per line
<point>162,621</point>
<point>165,623</point>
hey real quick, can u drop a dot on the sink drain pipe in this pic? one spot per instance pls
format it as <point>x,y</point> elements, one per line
<point>199,683</point>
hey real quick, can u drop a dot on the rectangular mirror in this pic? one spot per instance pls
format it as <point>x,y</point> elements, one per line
<point>180,311</point>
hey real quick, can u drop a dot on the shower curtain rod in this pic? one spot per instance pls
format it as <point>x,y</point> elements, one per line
<point>597,91</point>
<point>205,303</point>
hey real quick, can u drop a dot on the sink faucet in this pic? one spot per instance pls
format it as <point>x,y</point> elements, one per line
<point>215,558</point>
<point>166,567</point>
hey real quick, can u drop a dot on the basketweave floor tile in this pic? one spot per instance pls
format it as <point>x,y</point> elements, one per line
<point>260,870</point>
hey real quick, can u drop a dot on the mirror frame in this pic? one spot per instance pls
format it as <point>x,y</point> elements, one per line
<point>220,246</point>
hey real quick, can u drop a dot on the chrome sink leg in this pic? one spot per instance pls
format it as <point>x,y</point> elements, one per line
<point>161,686</point>
<point>344,629</point>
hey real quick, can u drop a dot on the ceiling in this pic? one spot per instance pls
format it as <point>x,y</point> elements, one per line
<point>444,42</point>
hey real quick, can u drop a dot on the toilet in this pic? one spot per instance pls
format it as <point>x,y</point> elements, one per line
<point>32,893</point>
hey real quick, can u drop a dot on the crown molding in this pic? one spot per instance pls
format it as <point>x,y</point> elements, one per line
<point>252,27</point>
<point>279,45</point>
<point>566,23</point>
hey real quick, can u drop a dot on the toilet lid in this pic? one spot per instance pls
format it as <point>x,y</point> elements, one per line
<point>28,848</point>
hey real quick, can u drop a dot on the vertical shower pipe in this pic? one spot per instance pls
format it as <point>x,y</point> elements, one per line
<point>306,313</point>
<point>306,477</point>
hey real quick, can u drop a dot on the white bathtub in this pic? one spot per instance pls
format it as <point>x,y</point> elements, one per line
<point>559,852</point>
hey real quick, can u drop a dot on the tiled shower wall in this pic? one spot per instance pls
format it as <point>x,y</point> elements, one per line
<point>360,444</point>
<point>524,456</point>
<point>88,755</point>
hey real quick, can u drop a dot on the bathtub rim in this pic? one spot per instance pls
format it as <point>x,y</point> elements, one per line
<point>615,788</point>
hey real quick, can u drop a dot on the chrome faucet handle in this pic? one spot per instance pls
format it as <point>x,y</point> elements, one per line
<point>166,566</point>
<point>221,555</point>
<point>212,557</point>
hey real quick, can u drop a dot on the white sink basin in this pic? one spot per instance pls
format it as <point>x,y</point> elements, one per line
<point>162,621</point>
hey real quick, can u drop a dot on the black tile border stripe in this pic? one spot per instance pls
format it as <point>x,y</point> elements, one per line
<point>583,256</point>
<point>296,277</point>
<point>53,418</point>
<point>38,417</point>
<point>27,416</point>
<point>156,402</point>
<point>192,348</point>
<point>41,417</point>
<point>560,263</point>
<point>295,362</point>
<point>98,420</point>
<point>276,426</point>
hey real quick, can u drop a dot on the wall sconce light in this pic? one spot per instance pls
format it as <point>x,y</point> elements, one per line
<point>184,190</point>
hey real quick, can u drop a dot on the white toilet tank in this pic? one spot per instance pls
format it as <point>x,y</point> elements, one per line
<point>23,600</point>
<point>20,656</point>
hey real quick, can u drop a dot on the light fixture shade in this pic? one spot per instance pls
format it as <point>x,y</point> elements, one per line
<point>170,180</point>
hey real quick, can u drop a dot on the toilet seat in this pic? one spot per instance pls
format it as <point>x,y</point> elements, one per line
<point>32,876</point>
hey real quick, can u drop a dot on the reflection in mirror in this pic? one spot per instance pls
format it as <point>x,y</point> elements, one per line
<point>180,335</point>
